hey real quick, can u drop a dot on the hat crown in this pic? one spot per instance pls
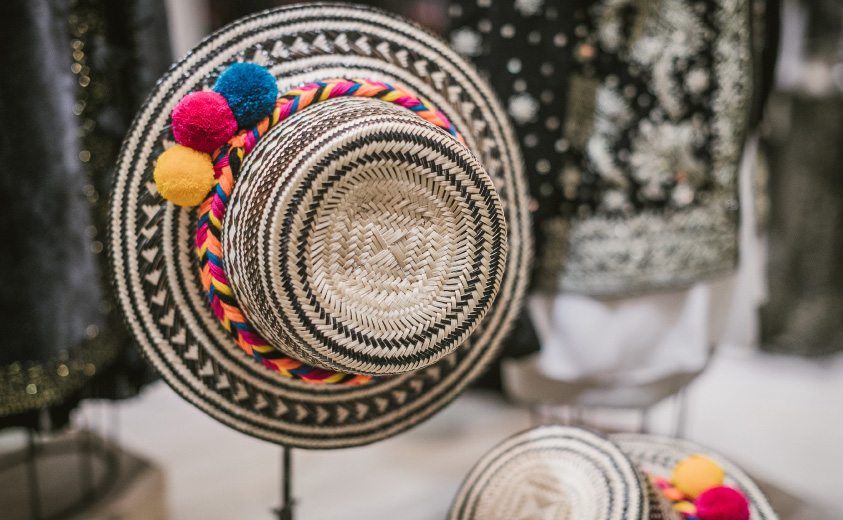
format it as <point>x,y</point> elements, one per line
<point>361,238</point>
<point>555,472</point>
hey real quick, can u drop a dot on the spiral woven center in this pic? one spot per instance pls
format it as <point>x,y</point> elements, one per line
<point>382,247</point>
<point>363,239</point>
<point>553,472</point>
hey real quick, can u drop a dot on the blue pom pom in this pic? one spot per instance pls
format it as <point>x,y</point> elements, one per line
<point>250,91</point>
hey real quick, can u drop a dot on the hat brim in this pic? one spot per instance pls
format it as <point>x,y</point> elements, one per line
<point>154,264</point>
<point>659,455</point>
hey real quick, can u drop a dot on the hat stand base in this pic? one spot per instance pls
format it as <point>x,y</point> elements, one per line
<point>553,401</point>
<point>285,512</point>
<point>572,415</point>
<point>56,478</point>
<point>75,475</point>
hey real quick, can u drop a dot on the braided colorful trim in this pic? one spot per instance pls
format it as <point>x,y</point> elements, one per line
<point>683,505</point>
<point>227,161</point>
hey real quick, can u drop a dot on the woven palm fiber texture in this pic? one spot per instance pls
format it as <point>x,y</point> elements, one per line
<point>285,183</point>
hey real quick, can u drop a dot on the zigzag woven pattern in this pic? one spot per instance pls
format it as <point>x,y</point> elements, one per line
<point>227,163</point>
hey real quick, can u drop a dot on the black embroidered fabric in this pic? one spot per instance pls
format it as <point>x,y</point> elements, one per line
<point>72,74</point>
<point>617,107</point>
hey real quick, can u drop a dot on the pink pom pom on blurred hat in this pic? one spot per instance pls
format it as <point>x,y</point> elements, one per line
<point>722,503</point>
<point>203,121</point>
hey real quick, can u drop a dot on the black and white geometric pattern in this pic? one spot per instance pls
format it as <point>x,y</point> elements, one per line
<point>364,239</point>
<point>152,242</point>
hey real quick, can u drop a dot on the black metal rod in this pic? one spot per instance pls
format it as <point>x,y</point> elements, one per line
<point>681,413</point>
<point>115,423</point>
<point>535,415</point>
<point>287,501</point>
<point>100,436</point>
<point>32,470</point>
<point>577,416</point>
<point>115,435</point>
<point>86,465</point>
<point>644,425</point>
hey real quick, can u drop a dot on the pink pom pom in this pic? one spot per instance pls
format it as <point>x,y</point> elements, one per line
<point>203,121</point>
<point>722,503</point>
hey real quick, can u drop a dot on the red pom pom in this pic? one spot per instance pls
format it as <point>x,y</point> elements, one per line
<point>203,121</point>
<point>722,503</point>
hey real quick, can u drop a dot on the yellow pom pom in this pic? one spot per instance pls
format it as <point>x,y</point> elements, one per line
<point>184,176</point>
<point>696,474</point>
<point>685,507</point>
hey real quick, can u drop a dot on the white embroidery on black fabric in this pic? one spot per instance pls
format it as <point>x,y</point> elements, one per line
<point>523,108</point>
<point>614,250</point>
<point>643,166</point>
<point>529,7</point>
<point>466,41</point>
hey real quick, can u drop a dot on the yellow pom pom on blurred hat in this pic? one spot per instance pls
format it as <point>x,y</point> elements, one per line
<point>184,176</point>
<point>696,474</point>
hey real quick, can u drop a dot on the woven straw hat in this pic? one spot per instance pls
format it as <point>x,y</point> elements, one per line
<point>557,472</point>
<point>361,249</point>
<point>570,472</point>
<point>658,456</point>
